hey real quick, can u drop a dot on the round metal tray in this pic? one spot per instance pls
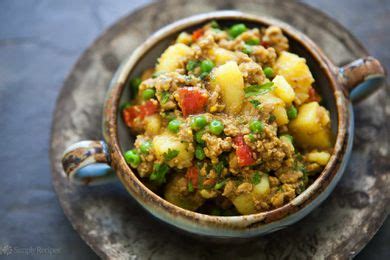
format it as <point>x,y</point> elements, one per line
<point>114,226</point>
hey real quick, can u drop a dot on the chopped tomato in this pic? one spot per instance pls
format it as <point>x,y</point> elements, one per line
<point>197,34</point>
<point>313,95</point>
<point>192,100</point>
<point>264,44</point>
<point>134,115</point>
<point>192,176</point>
<point>243,152</point>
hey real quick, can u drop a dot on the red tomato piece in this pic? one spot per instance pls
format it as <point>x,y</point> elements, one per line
<point>133,116</point>
<point>313,96</point>
<point>192,176</point>
<point>192,100</point>
<point>197,34</point>
<point>265,44</point>
<point>243,152</point>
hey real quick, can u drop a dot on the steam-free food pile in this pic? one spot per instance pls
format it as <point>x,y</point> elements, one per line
<point>228,122</point>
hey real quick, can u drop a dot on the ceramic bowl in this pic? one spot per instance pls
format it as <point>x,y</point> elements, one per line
<point>339,87</point>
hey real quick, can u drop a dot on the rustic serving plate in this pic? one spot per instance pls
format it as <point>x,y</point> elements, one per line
<point>114,226</point>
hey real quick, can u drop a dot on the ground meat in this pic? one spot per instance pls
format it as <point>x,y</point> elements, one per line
<point>265,56</point>
<point>274,37</point>
<point>215,146</point>
<point>252,72</point>
<point>244,188</point>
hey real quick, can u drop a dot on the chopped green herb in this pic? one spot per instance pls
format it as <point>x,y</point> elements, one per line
<point>199,153</point>
<point>219,185</point>
<point>255,90</point>
<point>134,85</point>
<point>165,97</point>
<point>125,105</point>
<point>272,118</point>
<point>255,103</point>
<point>172,153</point>
<point>198,137</point>
<point>192,64</point>
<point>256,178</point>
<point>190,187</point>
<point>219,168</point>
<point>253,41</point>
<point>215,212</point>
<point>159,172</point>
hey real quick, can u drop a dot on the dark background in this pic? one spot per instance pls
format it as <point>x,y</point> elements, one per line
<point>40,40</point>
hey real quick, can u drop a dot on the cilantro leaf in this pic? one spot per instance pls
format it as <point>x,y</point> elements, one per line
<point>164,97</point>
<point>219,168</point>
<point>255,90</point>
<point>170,154</point>
<point>255,103</point>
<point>256,178</point>
<point>159,172</point>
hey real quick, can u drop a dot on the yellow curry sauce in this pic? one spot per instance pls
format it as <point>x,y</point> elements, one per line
<point>228,122</point>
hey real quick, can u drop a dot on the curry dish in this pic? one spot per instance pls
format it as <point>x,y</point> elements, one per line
<point>228,122</point>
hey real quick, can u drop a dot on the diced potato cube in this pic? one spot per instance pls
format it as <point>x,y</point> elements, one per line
<point>283,89</point>
<point>311,128</point>
<point>280,115</point>
<point>230,80</point>
<point>244,203</point>
<point>184,38</point>
<point>221,56</point>
<point>165,142</point>
<point>295,70</point>
<point>321,158</point>
<point>152,124</point>
<point>262,188</point>
<point>173,58</point>
<point>176,192</point>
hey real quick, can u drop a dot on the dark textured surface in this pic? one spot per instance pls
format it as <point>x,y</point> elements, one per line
<point>39,42</point>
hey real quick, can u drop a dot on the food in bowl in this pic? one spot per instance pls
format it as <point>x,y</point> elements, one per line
<point>228,122</point>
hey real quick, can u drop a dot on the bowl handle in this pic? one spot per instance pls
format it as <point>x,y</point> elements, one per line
<point>362,77</point>
<point>93,154</point>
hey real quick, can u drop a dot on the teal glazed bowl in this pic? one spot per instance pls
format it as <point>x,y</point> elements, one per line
<point>339,87</point>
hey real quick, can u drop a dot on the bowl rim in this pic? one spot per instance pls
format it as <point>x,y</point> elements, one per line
<point>159,206</point>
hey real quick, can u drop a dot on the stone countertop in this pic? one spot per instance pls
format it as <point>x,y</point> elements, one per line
<point>40,40</point>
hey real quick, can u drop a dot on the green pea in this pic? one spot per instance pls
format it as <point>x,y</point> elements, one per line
<point>247,49</point>
<point>206,66</point>
<point>174,126</point>
<point>148,93</point>
<point>252,137</point>
<point>237,29</point>
<point>216,127</point>
<point>145,147</point>
<point>198,122</point>
<point>198,137</point>
<point>268,72</point>
<point>199,153</point>
<point>132,158</point>
<point>256,126</point>
<point>253,41</point>
<point>292,112</point>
